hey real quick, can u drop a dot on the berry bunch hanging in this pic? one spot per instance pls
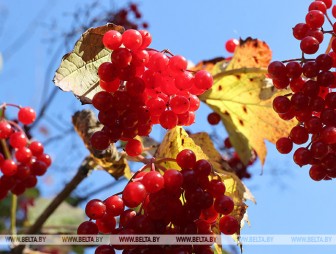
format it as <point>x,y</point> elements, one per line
<point>311,100</point>
<point>21,160</point>
<point>189,200</point>
<point>143,87</point>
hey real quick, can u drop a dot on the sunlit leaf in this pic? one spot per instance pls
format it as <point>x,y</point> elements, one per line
<point>78,69</point>
<point>243,96</point>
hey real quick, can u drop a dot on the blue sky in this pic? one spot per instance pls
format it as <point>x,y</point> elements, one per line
<point>288,202</point>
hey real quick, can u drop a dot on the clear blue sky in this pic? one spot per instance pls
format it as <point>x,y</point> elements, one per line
<point>288,202</point>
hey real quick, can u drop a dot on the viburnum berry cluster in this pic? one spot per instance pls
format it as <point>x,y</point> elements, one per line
<point>143,87</point>
<point>21,160</point>
<point>189,200</point>
<point>125,17</point>
<point>311,100</point>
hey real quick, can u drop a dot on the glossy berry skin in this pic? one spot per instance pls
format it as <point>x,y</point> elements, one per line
<point>214,118</point>
<point>8,167</point>
<point>26,115</point>
<point>224,204</point>
<point>95,209</point>
<point>133,194</point>
<point>228,225</point>
<point>36,148</point>
<point>216,188</point>
<point>114,205</point>
<point>5,129</point>
<point>203,80</point>
<point>231,45</point>
<point>309,45</point>
<point>112,39</point>
<point>132,39</point>
<point>186,159</point>
<point>134,147</point>
<point>18,139</point>
<point>153,181</point>
<point>173,179</point>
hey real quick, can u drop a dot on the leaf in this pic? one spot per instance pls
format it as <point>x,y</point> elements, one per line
<point>243,96</point>
<point>66,218</point>
<point>78,69</point>
<point>177,139</point>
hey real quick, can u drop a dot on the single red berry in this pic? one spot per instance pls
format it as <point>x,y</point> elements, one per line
<point>186,159</point>
<point>5,129</point>
<point>95,209</point>
<point>8,167</point>
<point>153,181</point>
<point>214,118</point>
<point>228,225</point>
<point>26,115</point>
<point>134,147</point>
<point>231,45</point>
<point>18,139</point>
<point>112,39</point>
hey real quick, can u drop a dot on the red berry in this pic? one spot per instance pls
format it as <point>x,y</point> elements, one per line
<point>153,181</point>
<point>214,118</point>
<point>114,205</point>
<point>284,145</point>
<point>8,167</point>
<point>112,39</point>
<point>309,45</point>
<point>134,147</point>
<point>224,204</point>
<point>132,39</point>
<point>203,80</point>
<point>186,159</point>
<point>26,115</point>
<point>231,45</point>
<point>134,194</point>
<point>18,139</point>
<point>5,129</point>
<point>100,140</point>
<point>228,225</point>
<point>95,209</point>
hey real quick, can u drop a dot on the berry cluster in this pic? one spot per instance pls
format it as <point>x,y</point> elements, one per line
<point>174,202</point>
<point>143,87</point>
<point>124,17</point>
<point>21,160</point>
<point>311,100</point>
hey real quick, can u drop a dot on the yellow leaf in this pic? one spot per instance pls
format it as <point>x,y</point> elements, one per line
<point>78,69</point>
<point>243,96</point>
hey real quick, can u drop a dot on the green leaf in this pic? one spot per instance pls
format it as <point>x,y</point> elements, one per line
<point>78,69</point>
<point>65,219</point>
<point>243,95</point>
